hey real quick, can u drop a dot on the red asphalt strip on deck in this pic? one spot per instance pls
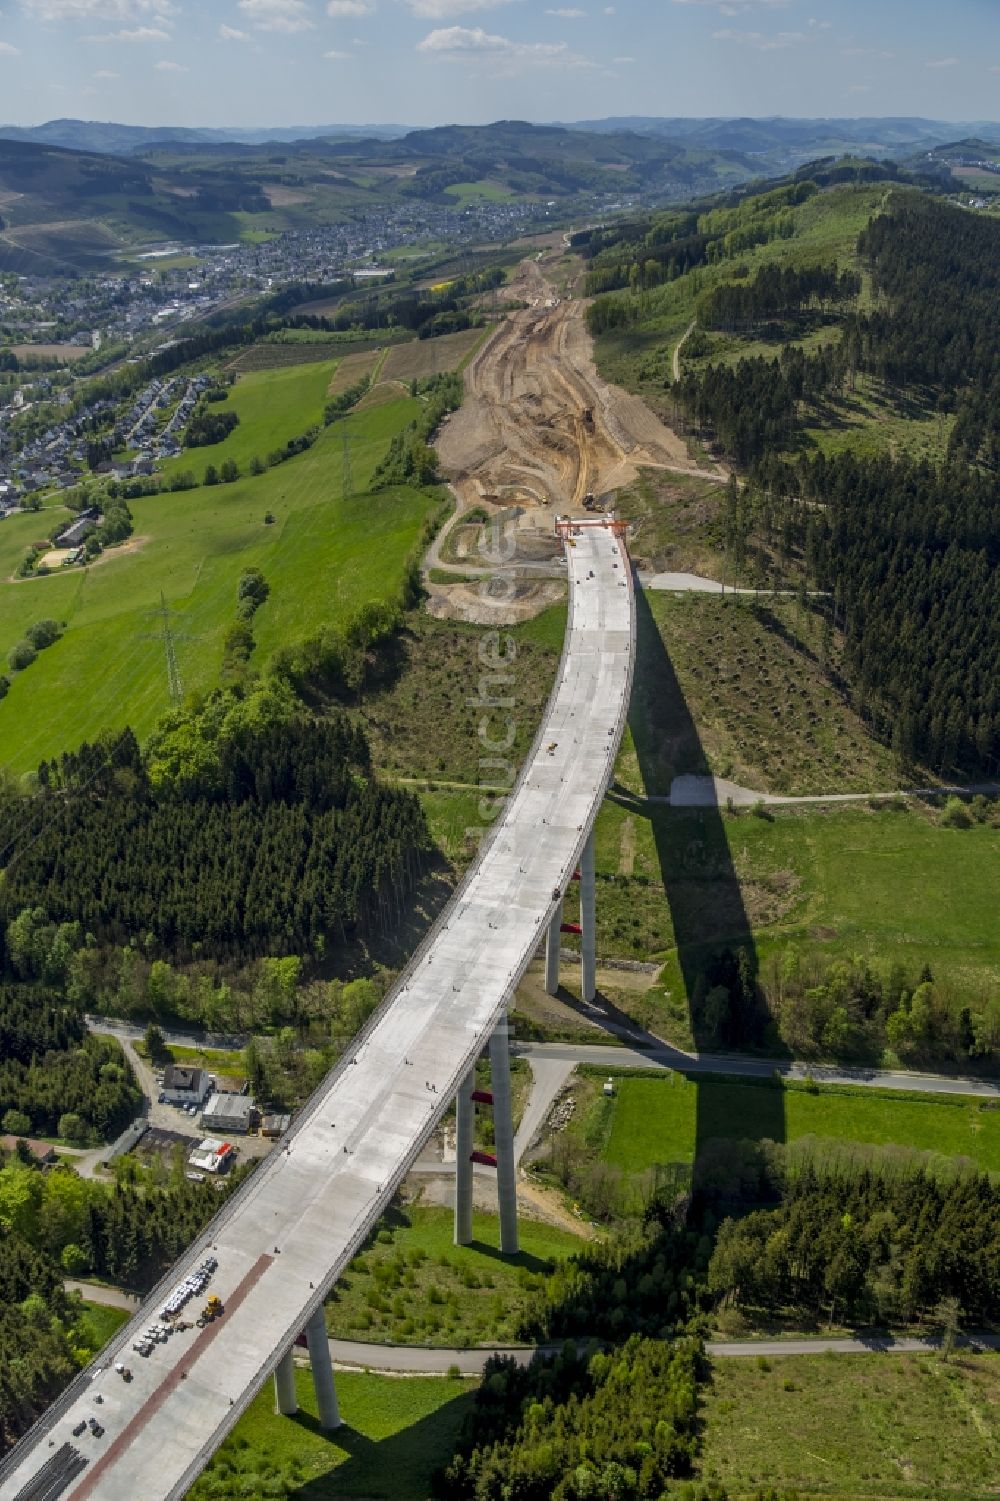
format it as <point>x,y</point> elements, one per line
<point>152,1404</point>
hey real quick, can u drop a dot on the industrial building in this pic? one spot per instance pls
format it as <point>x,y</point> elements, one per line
<point>231,1113</point>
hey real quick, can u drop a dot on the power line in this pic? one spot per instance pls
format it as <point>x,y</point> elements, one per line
<point>347,480</point>
<point>169,638</point>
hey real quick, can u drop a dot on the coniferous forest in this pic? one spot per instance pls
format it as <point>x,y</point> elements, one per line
<point>909,552</point>
<point>281,842</point>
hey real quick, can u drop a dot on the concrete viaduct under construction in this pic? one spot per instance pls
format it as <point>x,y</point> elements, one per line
<point>274,1252</point>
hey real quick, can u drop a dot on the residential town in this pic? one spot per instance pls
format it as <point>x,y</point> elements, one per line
<point>162,291</point>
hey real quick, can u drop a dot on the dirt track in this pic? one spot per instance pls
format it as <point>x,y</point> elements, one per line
<point>521,436</point>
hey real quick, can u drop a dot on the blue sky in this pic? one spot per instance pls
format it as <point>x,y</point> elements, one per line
<point>278,62</point>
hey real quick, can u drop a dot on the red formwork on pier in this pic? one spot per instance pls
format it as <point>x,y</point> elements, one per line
<point>568,527</point>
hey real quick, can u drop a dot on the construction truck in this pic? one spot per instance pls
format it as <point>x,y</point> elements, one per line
<point>212,1310</point>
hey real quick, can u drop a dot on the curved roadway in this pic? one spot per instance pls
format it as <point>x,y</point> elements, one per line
<point>286,1236</point>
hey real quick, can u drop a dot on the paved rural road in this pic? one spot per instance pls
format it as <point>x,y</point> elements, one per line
<point>548,1077</point>
<point>656,1054</point>
<point>660,1055</point>
<point>96,1292</point>
<point>422,1360</point>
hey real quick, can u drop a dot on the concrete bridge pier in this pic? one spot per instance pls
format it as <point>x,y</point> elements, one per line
<point>322,1370</point>
<point>552,943</point>
<point>503,1127</point>
<point>465,1111</point>
<point>285,1400</point>
<point>588,920</point>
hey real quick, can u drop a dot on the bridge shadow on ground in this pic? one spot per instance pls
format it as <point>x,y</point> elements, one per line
<point>400,1464</point>
<point>715,963</point>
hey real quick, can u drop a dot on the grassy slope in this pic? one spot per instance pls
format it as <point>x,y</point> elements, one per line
<point>858,1427</point>
<point>395,1434</point>
<point>272,405</point>
<point>97,1324</point>
<point>742,691</point>
<point>838,881</point>
<point>423,724</point>
<point>826,229</point>
<point>324,556</point>
<point>481,1294</point>
<point>664,1119</point>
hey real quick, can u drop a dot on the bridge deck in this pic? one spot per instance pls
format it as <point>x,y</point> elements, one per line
<point>283,1240</point>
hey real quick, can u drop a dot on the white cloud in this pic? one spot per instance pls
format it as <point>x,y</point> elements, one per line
<point>610,10</point>
<point>168,67</point>
<point>567,13</point>
<point>277,15</point>
<point>443,10</point>
<point>464,43</point>
<point>860,88</point>
<point>761,41</point>
<point>737,7</point>
<point>98,10</point>
<point>350,7</point>
<point>106,73</point>
<point>233,34</point>
<point>866,52</point>
<point>943,62</point>
<point>622,60</point>
<point>337,57</point>
<point>140,34</point>
<point>7,50</point>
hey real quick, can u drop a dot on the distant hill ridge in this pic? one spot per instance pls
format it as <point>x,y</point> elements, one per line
<point>741,134</point>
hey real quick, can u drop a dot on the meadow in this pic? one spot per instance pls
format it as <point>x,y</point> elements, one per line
<point>323,555</point>
<point>272,405</point>
<point>854,1427</point>
<point>887,882</point>
<point>395,1433</point>
<point>671,1117</point>
<point>413,1285</point>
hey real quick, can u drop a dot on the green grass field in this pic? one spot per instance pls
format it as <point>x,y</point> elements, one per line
<point>471,192</point>
<point>96,1325</point>
<point>658,1120</point>
<point>396,1432</point>
<point>273,406</point>
<point>323,556</point>
<point>827,883</point>
<point>855,1427</point>
<point>414,1286</point>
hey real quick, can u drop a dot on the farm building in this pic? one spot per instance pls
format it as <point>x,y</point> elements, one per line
<point>79,530</point>
<point>228,1112</point>
<point>185,1086</point>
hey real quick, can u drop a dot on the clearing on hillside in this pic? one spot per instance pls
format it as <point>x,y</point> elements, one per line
<point>858,1427</point>
<point>423,357</point>
<point>353,368</point>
